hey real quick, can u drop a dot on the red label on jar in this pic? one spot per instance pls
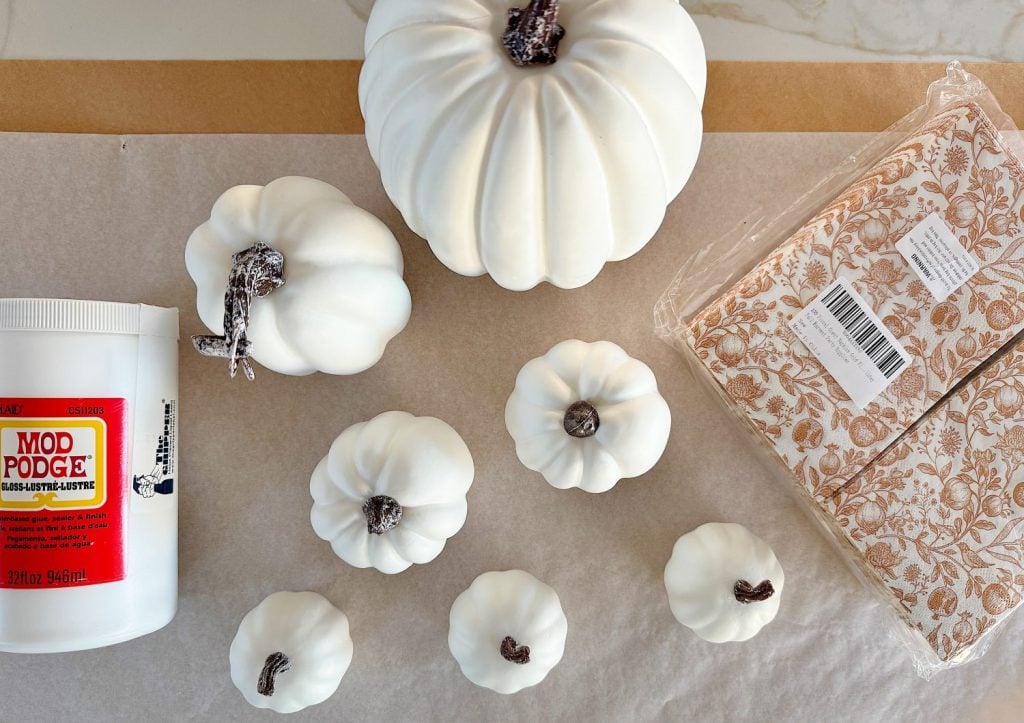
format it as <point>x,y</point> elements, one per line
<point>62,491</point>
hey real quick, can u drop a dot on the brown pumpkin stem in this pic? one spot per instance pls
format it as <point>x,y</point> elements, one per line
<point>275,664</point>
<point>255,272</point>
<point>581,420</point>
<point>533,33</point>
<point>513,652</point>
<point>382,514</point>
<point>747,593</point>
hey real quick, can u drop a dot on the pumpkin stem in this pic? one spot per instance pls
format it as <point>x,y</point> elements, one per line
<point>382,514</point>
<point>581,420</point>
<point>255,272</point>
<point>513,652</point>
<point>747,593</point>
<point>533,33</point>
<point>275,664</point>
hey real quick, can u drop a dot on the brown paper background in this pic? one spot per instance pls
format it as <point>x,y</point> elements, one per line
<point>319,96</point>
<point>107,217</point>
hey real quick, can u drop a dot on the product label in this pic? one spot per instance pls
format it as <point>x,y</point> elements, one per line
<point>62,491</point>
<point>160,479</point>
<point>851,342</point>
<point>936,256</point>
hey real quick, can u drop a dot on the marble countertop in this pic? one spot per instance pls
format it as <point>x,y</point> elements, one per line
<point>812,30</point>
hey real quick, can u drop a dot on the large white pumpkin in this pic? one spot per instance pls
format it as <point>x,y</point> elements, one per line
<point>343,297</point>
<point>542,172</point>
<point>391,491</point>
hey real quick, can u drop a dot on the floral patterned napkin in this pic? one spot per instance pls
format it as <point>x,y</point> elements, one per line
<point>957,166</point>
<point>939,518</point>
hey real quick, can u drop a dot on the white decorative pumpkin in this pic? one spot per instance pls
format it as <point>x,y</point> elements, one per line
<point>507,630</point>
<point>542,171</point>
<point>291,651</point>
<point>723,582</point>
<point>391,491</point>
<point>342,297</point>
<point>587,415</point>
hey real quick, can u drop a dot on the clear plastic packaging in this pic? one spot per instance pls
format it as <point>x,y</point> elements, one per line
<point>894,481</point>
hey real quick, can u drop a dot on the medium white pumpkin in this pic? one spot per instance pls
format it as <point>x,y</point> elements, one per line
<point>542,172</point>
<point>291,651</point>
<point>723,582</point>
<point>587,415</point>
<point>391,491</point>
<point>507,631</point>
<point>343,297</point>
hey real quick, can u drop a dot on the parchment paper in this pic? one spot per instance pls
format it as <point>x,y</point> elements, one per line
<point>107,217</point>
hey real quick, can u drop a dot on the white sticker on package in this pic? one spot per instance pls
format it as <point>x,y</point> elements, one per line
<point>851,342</point>
<point>937,257</point>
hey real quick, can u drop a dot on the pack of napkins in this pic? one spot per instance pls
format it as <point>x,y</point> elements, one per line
<point>939,518</point>
<point>863,325</point>
<point>953,174</point>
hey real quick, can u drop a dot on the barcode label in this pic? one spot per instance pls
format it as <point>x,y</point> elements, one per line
<point>865,330</point>
<point>851,342</point>
<point>937,257</point>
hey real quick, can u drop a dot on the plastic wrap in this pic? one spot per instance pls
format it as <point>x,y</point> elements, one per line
<point>730,311</point>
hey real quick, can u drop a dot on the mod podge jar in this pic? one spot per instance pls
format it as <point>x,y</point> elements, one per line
<point>88,472</point>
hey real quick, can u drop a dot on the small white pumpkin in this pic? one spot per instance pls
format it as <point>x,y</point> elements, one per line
<point>517,165</point>
<point>391,491</point>
<point>723,582</point>
<point>291,651</point>
<point>342,297</point>
<point>587,415</point>
<point>507,630</point>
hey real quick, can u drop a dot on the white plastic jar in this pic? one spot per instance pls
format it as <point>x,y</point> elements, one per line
<point>88,473</point>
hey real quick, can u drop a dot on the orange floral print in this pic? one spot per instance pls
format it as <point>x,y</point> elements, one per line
<point>882,276</point>
<point>950,441</point>
<point>957,166</point>
<point>939,518</point>
<point>883,558</point>
<point>956,160</point>
<point>1011,444</point>
<point>815,275</point>
<point>872,233</point>
<point>744,389</point>
<point>1000,315</point>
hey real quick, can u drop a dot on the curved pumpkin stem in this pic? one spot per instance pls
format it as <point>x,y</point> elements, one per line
<point>275,664</point>
<point>747,593</point>
<point>513,652</point>
<point>533,33</point>
<point>255,272</point>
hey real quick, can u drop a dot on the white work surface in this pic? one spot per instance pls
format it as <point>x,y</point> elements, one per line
<point>108,217</point>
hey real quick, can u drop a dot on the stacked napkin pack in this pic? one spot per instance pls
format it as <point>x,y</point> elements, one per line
<point>923,480</point>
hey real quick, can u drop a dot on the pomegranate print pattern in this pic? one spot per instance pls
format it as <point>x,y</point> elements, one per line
<point>956,166</point>
<point>939,518</point>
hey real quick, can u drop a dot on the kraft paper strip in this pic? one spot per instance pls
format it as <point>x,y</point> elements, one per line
<point>319,96</point>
